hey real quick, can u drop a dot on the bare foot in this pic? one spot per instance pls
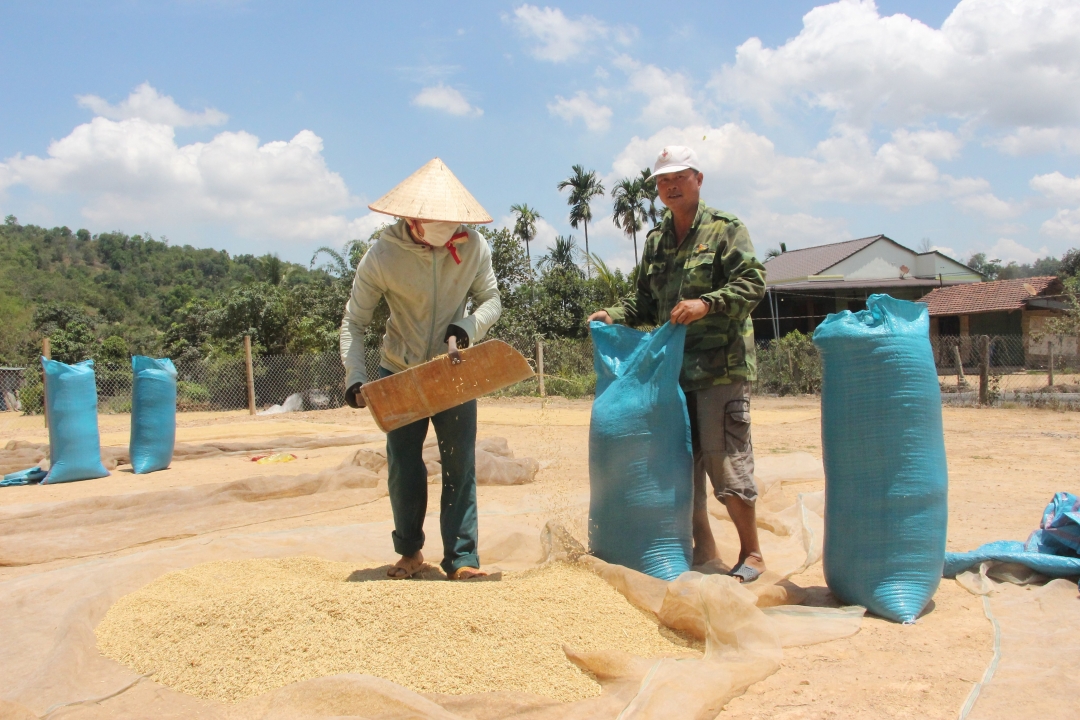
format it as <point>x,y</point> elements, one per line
<point>466,573</point>
<point>406,567</point>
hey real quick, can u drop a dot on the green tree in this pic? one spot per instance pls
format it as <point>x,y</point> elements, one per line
<point>610,285</point>
<point>629,211</point>
<point>561,256</point>
<point>525,226</point>
<point>989,268</point>
<point>650,195</point>
<point>584,186</point>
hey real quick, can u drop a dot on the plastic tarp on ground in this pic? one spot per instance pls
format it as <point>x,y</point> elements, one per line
<point>1036,659</point>
<point>640,461</point>
<point>153,414</point>
<point>884,451</point>
<point>47,620</point>
<point>1053,550</point>
<point>71,402</point>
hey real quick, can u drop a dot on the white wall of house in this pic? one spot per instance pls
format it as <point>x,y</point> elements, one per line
<point>932,264</point>
<point>877,261</point>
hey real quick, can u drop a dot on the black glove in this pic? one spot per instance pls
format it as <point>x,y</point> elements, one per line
<point>353,398</point>
<point>460,334</point>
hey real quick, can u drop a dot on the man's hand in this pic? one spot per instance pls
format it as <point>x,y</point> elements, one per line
<point>353,398</point>
<point>452,351</point>
<point>688,311</point>
<point>602,316</point>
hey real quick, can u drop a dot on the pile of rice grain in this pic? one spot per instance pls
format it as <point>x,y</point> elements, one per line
<point>230,630</point>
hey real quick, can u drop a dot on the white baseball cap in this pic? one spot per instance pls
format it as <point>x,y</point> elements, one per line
<point>675,158</point>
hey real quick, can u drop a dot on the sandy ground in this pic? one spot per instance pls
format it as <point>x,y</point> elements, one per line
<point>1004,466</point>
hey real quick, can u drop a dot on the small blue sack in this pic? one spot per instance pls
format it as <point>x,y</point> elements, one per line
<point>886,481</point>
<point>153,414</point>
<point>74,444</point>
<point>640,460</point>
<point>29,476</point>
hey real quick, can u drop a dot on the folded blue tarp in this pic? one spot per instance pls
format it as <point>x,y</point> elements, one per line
<point>1053,549</point>
<point>28,476</point>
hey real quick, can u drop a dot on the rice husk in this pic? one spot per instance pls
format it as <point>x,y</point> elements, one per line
<point>230,630</point>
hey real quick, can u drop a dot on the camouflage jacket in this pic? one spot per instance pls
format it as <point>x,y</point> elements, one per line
<point>715,262</point>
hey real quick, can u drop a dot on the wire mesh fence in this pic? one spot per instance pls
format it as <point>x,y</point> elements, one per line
<point>971,370</point>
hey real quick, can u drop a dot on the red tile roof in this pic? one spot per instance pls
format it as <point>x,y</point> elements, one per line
<point>994,296</point>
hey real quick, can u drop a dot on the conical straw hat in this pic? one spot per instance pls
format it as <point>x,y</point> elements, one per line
<point>432,193</point>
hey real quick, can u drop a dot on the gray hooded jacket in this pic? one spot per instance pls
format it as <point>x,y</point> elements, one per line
<point>427,290</point>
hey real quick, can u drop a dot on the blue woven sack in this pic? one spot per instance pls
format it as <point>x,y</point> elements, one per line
<point>886,481</point>
<point>640,461</point>
<point>71,401</point>
<point>153,413</point>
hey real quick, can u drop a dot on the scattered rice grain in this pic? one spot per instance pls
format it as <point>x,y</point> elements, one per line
<point>230,630</point>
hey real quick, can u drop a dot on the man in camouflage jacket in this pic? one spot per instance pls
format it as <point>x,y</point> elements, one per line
<point>699,269</point>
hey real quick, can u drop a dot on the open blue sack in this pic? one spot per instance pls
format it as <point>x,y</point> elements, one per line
<point>640,461</point>
<point>74,444</point>
<point>886,481</point>
<point>153,413</point>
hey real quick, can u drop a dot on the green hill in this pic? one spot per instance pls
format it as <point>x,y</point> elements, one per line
<point>112,294</point>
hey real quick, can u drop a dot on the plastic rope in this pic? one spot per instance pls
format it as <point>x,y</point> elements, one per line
<point>991,668</point>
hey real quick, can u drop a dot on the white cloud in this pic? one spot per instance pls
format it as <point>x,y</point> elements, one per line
<point>132,173</point>
<point>560,38</point>
<point>446,99</point>
<point>1058,187</point>
<point>798,230</point>
<point>146,103</point>
<point>845,167</point>
<point>1065,225</point>
<point>668,93</point>
<point>1008,250</point>
<point>1033,141</point>
<point>597,117</point>
<point>989,205</point>
<point>1006,62</point>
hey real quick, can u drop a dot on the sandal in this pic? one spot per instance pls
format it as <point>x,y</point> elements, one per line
<point>399,571</point>
<point>467,573</point>
<point>745,573</point>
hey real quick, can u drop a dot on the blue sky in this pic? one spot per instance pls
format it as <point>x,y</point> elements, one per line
<point>268,127</point>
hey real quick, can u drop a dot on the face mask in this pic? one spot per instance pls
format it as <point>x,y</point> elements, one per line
<point>439,233</point>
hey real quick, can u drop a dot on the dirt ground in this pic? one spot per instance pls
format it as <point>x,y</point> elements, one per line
<point>1004,466</point>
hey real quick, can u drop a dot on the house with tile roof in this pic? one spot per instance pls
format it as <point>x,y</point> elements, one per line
<point>1002,308</point>
<point>806,285</point>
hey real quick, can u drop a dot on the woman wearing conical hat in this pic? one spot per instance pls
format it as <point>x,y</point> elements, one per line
<point>427,265</point>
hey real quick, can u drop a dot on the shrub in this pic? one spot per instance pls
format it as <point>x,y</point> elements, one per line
<point>790,365</point>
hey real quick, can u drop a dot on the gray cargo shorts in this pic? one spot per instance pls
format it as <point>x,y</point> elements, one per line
<point>720,434</point>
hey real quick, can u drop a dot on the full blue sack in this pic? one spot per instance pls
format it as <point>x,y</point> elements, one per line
<point>886,481</point>
<point>153,413</point>
<point>640,461</point>
<point>71,401</point>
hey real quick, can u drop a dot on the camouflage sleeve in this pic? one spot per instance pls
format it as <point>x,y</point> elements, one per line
<point>746,276</point>
<point>641,307</point>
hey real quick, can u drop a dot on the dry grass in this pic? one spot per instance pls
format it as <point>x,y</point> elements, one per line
<point>230,630</point>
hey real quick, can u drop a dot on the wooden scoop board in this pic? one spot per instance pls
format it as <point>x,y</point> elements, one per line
<point>438,384</point>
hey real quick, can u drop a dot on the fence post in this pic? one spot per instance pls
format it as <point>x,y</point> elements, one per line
<point>250,375</point>
<point>46,351</point>
<point>959,366</point>
<point>1050,375</point>
<point>540,364</point>
<point>984,370</point>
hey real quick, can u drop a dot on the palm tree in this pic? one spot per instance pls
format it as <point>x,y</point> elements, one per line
<point>649,194</point>
<point>561,256</point>
<point>608,281</point>
<point>628,210</point>
<point>342,264</point>
<point>525,227</point>
<point>584,186</point>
